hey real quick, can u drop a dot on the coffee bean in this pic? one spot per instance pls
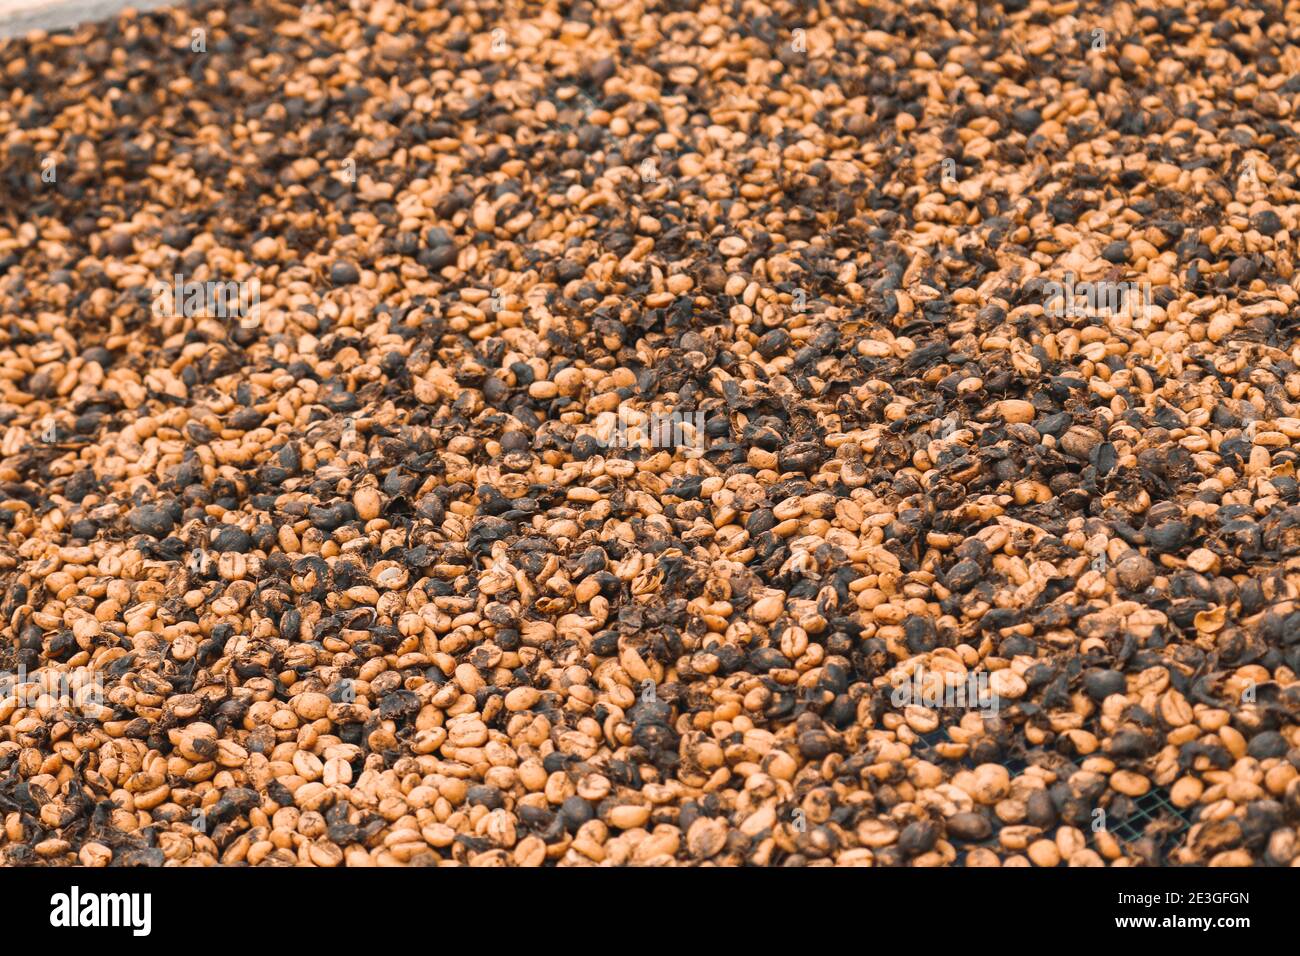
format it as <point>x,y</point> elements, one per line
<point>232,538</point>
<point>344,273</point>
<point>612,472</point>
<point>1100,684</point>
<point>152,520</point>
<point>968,827</point>
<point>1267,222</point>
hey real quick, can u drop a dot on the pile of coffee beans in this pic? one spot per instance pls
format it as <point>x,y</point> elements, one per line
<point>648,433</point>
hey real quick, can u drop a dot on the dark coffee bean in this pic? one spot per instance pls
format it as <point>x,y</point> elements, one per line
<point>1100,684</point>
<point>344,273</point>
<point>1267,223</point>
<point>232,538</point>
<point>152,520</point>
<point>968,827</point>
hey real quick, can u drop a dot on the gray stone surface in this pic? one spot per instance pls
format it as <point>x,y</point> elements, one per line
<point>17,17</point>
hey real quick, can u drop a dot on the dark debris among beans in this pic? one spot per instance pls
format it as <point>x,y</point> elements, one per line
<point>361,578</point>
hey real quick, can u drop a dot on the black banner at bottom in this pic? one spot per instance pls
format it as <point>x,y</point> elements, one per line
<point>482,905</point>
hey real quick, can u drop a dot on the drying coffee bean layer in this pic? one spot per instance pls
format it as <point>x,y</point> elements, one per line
<point>359,578</point>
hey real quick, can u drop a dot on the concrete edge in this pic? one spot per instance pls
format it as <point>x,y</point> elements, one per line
<point>19,17</point>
